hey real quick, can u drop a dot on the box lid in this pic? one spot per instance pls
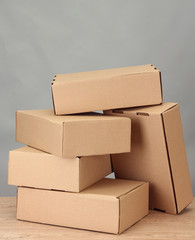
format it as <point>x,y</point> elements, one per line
<point>112,187</point>
<point>73,135</point>
<point>158,109</point>
<point>105,73</point>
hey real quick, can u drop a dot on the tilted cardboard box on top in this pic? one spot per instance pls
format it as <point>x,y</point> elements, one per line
<point>33,168</point>
<point>111,205</point>
<point>74,135</point>
<point>157,156</point>
<point>106,89</point>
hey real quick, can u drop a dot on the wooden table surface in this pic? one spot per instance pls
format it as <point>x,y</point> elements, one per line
<point>156,225</point>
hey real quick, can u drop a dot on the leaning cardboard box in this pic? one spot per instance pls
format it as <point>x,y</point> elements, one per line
<point>157,156</point>
<point>111,206</point>
<point>106,89</point>
<point>75,135</point>
<point>33,168</point>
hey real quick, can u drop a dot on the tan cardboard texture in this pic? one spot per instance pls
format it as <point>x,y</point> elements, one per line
<point>157,156</point>
<point>111,206</point>
<point>74,135</point>
<point>33,168</point>
<point>106,89</point>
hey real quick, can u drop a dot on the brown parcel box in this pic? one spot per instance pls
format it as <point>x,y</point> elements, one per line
<point>33,168</point>
<point>157,156</point>
<point>111,205</point>
<point>75,135</point>
<point>106,89</point>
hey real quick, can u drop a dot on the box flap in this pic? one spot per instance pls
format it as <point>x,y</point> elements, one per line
<point>48,114</point>
<point>177,157</point>
<point>158,109</point>
<point>105,73</point>
<point>112,187</point>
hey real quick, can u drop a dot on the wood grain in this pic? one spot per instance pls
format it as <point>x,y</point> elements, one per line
<point>156,225</point>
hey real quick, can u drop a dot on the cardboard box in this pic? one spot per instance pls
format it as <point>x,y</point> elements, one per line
<point>106,89</point>
<point>111,205</point>
<point>33,168</point>
<point>75,135</point>
<point>157,155</point>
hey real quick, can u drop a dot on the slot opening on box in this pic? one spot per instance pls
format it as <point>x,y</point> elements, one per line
<point>142,114</point>
<point>117,111</point>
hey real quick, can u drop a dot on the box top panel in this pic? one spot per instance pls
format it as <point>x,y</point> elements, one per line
<point>107,73</point>
<point>49,115</point>
<point>112,187</point>
<point>158,109</point>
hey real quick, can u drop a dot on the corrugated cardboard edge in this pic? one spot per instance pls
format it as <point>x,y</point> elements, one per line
<point>63,133</point>
<point>184,199</point>
<point>53,96</point>
<point>168,157</point>
<point>79,185</point>
<point>161,87</point>
<point>111,163</point>
<point>8,178</point>
<point>17,204</point>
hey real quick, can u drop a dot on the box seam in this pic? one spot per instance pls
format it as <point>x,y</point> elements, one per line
<point>141,113</point>
<point>169,162</point>
<point>63,130</point>
<point>111,163</point>
<point>161,86</point>
<point>79,185</point>
<point>119,218</point>
<point>133,189</point>
<point>168,109</point>
<point>53,97</point>
<point>36,116</point>
<point>17,202</point>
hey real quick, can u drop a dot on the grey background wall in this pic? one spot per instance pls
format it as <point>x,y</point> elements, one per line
<point>41,38</point>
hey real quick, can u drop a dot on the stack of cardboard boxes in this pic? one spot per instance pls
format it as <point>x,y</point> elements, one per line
<point>61,173</point>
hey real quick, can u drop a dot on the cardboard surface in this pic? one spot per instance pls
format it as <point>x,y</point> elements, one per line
<point>111,205</point>
<point>33,168</point>
<point>157,156</point>
<point>74,135</point>
<point>106,89</point>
